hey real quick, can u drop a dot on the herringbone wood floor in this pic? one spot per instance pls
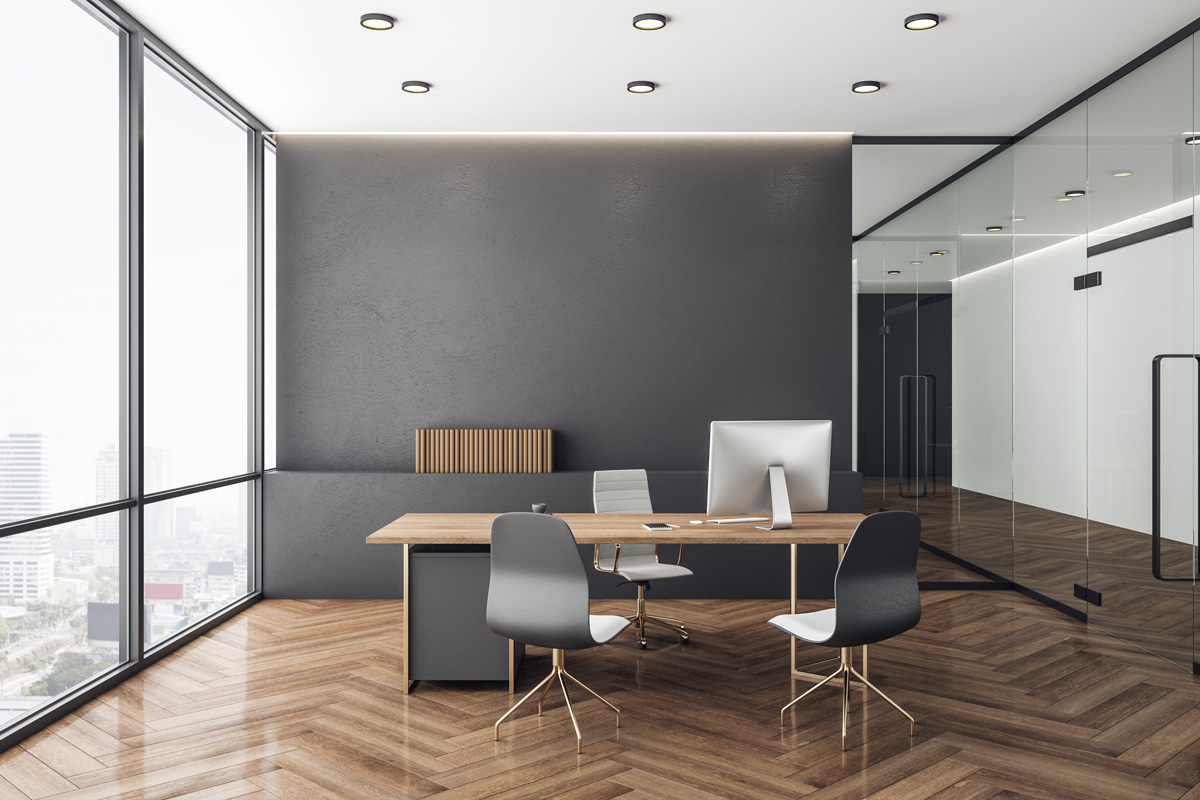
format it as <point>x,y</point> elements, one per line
<point>300,699</point>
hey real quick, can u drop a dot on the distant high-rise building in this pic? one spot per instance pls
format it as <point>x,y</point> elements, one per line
<point>26,559</point>
<point>108,526</point>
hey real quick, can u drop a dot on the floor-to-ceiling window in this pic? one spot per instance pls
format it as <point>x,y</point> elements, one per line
<point>131,356</point>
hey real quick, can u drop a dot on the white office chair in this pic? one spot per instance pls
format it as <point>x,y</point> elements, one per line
<point>627,491</point>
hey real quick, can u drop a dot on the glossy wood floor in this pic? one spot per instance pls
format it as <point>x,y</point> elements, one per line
<point>301,699</point>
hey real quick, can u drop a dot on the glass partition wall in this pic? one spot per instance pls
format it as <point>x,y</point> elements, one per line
<point>131,436</point>
<point>1046,302</point>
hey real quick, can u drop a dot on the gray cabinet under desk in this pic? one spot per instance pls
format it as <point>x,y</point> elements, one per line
<point>448,637</point>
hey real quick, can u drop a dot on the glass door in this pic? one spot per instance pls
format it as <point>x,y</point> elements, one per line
<point>1142,392</point>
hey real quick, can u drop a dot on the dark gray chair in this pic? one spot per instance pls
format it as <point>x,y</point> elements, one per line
<point>538,595</point>
<point>875,598</point>
<point>627,491</point>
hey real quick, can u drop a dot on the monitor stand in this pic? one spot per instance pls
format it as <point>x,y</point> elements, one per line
<point>781,509</point>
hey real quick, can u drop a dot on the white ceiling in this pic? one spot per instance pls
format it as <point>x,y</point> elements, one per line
<point>990,68</point>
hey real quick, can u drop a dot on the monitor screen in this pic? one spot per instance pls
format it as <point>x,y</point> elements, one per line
<point>741,453</point>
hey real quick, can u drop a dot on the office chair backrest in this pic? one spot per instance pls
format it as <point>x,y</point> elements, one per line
<point>538,593</point>
<point>875,589</point>
<point>622,491</point>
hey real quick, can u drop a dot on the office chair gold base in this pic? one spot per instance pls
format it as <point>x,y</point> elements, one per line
<point>640,618</point>
<point>846,668</point>
<point>558,658</point>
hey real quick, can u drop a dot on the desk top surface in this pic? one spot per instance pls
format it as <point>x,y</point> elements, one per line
<point>623,528</point>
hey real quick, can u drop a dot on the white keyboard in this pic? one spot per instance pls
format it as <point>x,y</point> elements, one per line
<point>739,519</point>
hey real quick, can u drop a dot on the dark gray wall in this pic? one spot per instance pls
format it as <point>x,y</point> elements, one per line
<point>317,523</point>
<point>622,290</point>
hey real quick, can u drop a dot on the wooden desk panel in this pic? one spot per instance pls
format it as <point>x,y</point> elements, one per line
<point>622,528</point>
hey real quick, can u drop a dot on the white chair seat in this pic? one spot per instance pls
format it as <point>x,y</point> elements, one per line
<point>605,627</point>
<point>813,626</point>
<point>652,571</point>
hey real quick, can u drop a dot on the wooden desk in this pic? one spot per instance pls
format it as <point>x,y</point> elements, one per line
<point>412,529</point>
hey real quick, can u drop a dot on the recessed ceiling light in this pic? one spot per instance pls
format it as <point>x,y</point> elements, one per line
<point>922,22</point>
<point>1062,199</point>
<point>1018,219</point>
<point>416,87</point>
<point>993,228</point>
<point>1074,193</point>
<point>641,87</point>
<point>865,87</point>
<point>649,22</point>
<point>916,263</point>
<point>377,22</point>
<point>936,253</point>
<point>893,272</point>
<point>1192,140</point>
<point>1125,173</point>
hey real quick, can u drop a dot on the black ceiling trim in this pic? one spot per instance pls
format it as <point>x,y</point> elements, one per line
<point>1174,226</point>
<point>1103,83</point>
<point>931,140</point>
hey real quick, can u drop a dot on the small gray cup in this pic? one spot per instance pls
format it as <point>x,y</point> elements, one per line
<point>539,508</point>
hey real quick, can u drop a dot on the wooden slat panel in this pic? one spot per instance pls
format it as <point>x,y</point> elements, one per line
<point>484,450</point>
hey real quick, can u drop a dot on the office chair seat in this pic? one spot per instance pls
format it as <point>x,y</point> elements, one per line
<point>605,628</point>
<point>652,572</point>
<point>815,626</point>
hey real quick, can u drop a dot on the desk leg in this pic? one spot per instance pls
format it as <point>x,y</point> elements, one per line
<point>803,672</point>
<point>512,666</point>
<point>407,601</point>
<point>792,568</point>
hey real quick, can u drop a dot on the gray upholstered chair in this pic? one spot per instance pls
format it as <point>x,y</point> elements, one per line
<point>875,598</point>
<point>538,595</point>
<point>627,491</point>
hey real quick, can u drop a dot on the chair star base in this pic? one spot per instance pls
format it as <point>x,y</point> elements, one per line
<point>846,669</point>
<point>558,658</point>
<point>639,619</point>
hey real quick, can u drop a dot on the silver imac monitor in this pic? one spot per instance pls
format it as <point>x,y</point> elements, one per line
<point>776,466</point>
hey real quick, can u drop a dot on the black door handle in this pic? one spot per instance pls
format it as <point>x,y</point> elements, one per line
<point>1156,470</point>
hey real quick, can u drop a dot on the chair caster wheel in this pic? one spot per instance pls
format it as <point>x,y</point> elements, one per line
<point>636,625</point>
<point>641,645</point>
<point>683,640</point>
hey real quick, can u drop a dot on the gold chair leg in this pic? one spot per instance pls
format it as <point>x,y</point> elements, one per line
<point>809,691</point>
<point>578,736</point>
<point>546,681</point>
<point>588,689</point>
<point>912,723</point>
<point>847,655</point>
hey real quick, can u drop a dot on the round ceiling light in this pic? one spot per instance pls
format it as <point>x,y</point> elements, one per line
<point>922,22</point>
<point>649,22</point>
<point>1018,219</point>
<point>937,253</point>
<point>993,229</point>
<point>377,22</point>
<point>1074,193</point>
<point>1125,173</point>
<point>893,272</point>
<point>865,87</point>
<point>1192,140</point>
<point>641,87</point>
<point>416,87</point>
<point>916,263</point>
